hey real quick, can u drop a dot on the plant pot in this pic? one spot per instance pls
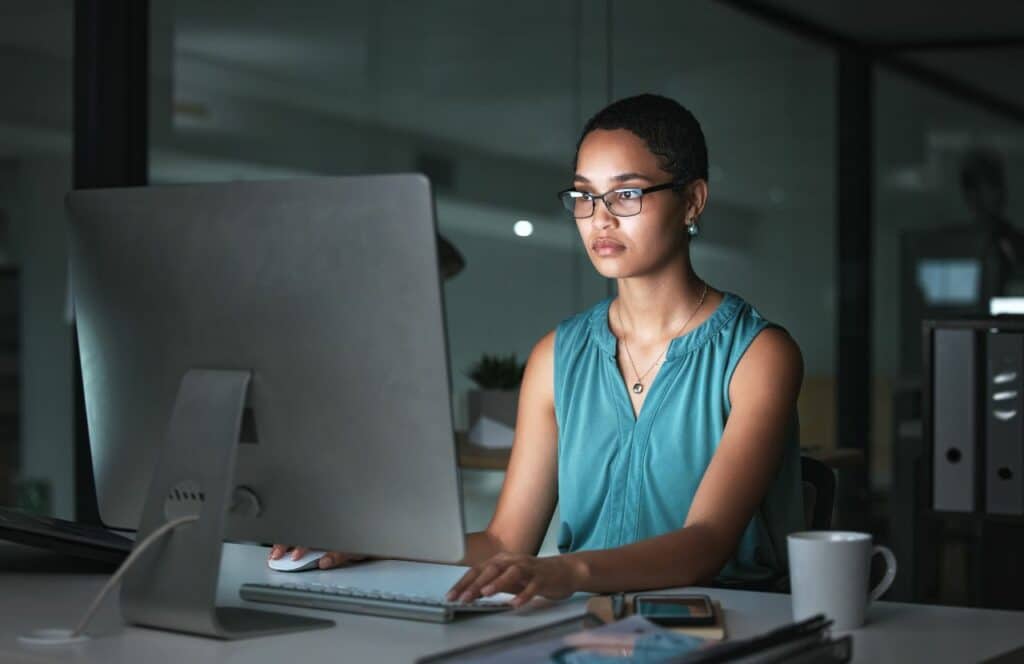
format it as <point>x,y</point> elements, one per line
<point>497,405</point>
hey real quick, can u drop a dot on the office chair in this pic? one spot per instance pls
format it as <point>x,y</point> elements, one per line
<point>819,484</point>
<point>819,493</point>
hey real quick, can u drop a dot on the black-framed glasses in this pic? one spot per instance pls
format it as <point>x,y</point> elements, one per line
<point>625,202</point>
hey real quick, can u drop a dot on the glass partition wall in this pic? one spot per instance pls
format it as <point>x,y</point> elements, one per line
<point>36,396</point>
<point>489,105</point>
<point>932,150</point>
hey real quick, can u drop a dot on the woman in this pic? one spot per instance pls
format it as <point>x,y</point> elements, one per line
<point>663,421</point>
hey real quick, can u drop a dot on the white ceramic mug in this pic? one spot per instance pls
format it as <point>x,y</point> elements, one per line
<point>828,573</point>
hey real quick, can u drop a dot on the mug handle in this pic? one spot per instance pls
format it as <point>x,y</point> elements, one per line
<point>890,572</point>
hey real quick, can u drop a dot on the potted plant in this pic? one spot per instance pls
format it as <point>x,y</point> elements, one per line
<point>492,407</point>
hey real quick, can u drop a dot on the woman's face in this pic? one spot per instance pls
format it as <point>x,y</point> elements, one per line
<point>621,247</point>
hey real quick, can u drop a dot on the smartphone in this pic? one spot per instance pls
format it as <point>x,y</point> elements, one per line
<point>675,610</point>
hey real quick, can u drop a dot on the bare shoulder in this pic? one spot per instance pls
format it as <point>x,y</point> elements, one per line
<point>772,362</point>
<point>773,348</point>
<point>544,349</point>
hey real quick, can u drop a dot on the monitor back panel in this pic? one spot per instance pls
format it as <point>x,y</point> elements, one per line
<point>328,290</point>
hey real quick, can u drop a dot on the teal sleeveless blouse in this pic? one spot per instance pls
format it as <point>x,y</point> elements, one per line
<point>623,478</point>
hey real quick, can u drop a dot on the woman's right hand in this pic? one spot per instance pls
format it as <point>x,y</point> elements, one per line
<point>330,559</point>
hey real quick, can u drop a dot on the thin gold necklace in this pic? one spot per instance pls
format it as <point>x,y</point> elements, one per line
<point>638,386</point>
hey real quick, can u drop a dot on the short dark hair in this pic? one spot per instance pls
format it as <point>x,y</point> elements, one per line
<point>666,126</point>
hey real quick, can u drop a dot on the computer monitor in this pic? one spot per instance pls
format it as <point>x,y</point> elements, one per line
<point>272,357</point>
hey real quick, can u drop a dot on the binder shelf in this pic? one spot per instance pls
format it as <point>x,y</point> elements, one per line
<point>973,417</point>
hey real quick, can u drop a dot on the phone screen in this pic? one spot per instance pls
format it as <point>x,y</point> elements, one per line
<point>675,610</point>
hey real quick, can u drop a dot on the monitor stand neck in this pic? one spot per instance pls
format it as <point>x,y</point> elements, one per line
<point>173,585</point>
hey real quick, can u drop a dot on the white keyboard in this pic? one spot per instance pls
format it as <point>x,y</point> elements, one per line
<point>373,602</point>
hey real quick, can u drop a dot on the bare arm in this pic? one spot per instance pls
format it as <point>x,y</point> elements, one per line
<point>530,491</point>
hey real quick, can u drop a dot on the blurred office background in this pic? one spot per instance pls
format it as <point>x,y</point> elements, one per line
<point>833,128</point>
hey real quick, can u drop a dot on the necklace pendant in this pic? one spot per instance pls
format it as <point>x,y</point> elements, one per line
<point>638,388</point>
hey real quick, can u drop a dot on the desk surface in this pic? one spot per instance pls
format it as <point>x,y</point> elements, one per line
<point>29,600</point>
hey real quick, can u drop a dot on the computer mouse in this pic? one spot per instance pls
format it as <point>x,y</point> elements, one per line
<point>286,564</point>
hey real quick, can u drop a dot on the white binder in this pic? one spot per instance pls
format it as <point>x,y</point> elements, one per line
<point>954,420</point>
<point>1004,436</point>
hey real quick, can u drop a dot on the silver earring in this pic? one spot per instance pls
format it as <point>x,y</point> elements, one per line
<point>692,228</point>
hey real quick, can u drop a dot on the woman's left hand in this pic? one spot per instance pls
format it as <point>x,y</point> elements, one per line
<point>554,577</point>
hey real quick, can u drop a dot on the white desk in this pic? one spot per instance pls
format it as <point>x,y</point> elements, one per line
<point>895,632</point>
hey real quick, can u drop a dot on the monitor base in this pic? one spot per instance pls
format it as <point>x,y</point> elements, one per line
<point>233,623</point>
<point>173,584</point>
